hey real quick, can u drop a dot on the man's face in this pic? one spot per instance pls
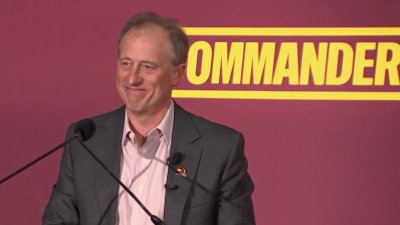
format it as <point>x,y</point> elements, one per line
<point>145,73</point>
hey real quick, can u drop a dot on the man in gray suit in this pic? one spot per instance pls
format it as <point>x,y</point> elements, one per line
<point>135,142</point>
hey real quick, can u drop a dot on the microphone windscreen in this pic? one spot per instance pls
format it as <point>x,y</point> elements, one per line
<point>176,158</point>
<point>85,129</point>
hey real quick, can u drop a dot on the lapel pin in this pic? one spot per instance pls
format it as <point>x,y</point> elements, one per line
<point>181,171</point>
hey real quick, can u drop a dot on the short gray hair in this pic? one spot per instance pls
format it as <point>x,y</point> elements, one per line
<point>177,36</point>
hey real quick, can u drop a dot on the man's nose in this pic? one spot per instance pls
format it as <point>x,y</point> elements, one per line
<point>134,76</point>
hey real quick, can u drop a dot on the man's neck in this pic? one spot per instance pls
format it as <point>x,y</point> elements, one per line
<point>142,124</point>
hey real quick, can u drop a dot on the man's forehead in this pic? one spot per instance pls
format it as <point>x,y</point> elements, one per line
<point>148,28</point>
<point>154,34</point>
<point>145,38</point>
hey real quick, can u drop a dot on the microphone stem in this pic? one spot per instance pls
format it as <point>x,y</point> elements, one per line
<point>36,160</point>
<point>156,220</point>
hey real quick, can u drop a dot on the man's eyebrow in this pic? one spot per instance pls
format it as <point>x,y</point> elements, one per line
<point>149,62</point>
<point>125,58</point>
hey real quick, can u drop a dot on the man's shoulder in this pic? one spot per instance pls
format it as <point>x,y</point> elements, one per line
<point>208,127</point>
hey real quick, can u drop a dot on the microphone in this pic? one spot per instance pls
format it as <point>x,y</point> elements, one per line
<point>155,219</point>
<point>83,131</point>
<point>170,188</point>
<point>173,162</point>
<point>176,158</point>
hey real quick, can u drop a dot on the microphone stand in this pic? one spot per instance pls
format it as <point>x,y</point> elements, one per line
<point>155,219</point>
<point>37,159</point>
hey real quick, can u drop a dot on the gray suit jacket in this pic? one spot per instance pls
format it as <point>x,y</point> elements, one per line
<point>218,189</point>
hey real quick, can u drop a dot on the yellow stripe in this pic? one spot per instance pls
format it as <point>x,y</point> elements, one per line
<point>287,95</point>
<point>292,31</point>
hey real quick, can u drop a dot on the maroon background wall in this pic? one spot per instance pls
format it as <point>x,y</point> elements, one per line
<point>313,162</point>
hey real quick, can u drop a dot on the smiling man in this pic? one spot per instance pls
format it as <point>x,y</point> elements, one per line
<point>136,140</point>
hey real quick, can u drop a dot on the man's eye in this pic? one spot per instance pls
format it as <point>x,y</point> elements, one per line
<point>125,64</point>
<point>147,66</point>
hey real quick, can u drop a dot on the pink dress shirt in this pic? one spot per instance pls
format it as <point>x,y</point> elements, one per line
<point>144,171</point>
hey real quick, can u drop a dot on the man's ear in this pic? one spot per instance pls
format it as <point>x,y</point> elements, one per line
<point>178,74</point>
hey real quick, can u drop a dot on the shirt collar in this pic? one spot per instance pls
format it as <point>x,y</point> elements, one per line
<point>164,127</point>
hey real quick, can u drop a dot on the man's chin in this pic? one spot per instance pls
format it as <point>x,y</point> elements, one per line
<point>135,109</point>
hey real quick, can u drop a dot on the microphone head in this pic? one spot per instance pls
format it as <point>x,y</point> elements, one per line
<point>85,129</point>
<point>176,158</point>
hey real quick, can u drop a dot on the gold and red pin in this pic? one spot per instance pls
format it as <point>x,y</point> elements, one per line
<point>181,171</point>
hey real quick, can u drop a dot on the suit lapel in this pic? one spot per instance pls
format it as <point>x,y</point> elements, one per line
<point>184,140</point>
<point>106,145</point>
